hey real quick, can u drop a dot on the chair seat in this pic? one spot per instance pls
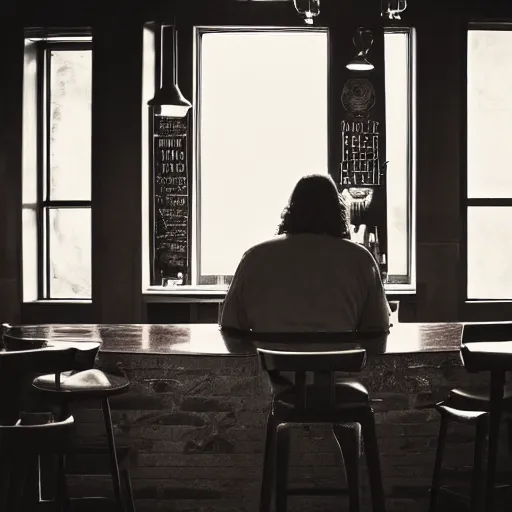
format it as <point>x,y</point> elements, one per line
<point>88,383</point>
<point>349,395</point>
<point>476,400</point>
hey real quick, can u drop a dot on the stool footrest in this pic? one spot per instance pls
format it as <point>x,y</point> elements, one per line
<point>465,497</point>
<point>98,504</point>
<point>324,491</point>
<point>453,492</point>
<point>95,460</point>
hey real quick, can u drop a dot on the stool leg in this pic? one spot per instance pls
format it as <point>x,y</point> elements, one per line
<point>373,462</point>
<point>282,453</point>
<point>348,438</point>
<point>269,461</point>
<point>496,398</point>
<point>509,435</point>
<point>127,485</point>
<point>114,466</point>
<point>436,477</point>
<point>478,465</point>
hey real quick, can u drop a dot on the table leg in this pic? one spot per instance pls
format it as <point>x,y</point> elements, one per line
<point>496,398</point>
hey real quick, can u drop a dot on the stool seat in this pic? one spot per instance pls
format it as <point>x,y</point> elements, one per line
<point>85,384</point>
<point>474,400</point>
<point>349,394</point>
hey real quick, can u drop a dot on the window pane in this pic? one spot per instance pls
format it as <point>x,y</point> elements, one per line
<point>489,112</point>
<point>263,125</point>
<point>489,271</point>
<point>396,46</point>
<point>70,253</point>
<point>70,125</point>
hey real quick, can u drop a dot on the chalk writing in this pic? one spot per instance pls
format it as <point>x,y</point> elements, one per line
<point>170,199</point>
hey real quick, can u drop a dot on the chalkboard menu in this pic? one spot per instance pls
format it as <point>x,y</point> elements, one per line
<point>171,201</point>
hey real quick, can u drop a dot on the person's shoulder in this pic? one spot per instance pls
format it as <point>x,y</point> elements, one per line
<point>264,247</point>
<point>358,254</point>
<point>353,247</point>
<point>270,243</point>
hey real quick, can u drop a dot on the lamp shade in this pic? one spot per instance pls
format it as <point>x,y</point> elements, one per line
<point>359,63</point>
<point>363,41</point>
<point>169,101</point>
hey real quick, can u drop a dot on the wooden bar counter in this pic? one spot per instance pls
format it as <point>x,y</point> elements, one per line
<point>197,407</point>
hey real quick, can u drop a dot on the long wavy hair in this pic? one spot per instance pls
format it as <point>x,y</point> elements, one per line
<point>315,207</point>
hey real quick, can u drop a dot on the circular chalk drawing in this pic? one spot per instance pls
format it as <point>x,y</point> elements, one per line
<point>358,96</point>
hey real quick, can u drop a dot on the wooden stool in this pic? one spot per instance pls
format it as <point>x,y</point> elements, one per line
<point>345,405</point>
<point>94,385</point>
<point>21,445</point>
<point>485,347</point>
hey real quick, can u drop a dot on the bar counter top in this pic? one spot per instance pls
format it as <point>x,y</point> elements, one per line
<point>209,340</point>
<point>197,420</point>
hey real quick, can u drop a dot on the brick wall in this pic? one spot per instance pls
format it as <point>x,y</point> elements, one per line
<point>198,424</point>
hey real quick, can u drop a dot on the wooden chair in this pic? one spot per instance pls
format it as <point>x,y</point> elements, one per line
<point>344,404</point>
<point>20,359</point>
<point>473,407</point>
<point>20,447</point>
<point>88,385</point>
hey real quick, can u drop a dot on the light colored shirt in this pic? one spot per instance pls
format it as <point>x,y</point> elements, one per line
<point>306,283</point>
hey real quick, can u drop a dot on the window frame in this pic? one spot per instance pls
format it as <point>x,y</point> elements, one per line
<point>407,283</point>
<point>44,202</point>
<point>468,202</point>
<point>396,283</point>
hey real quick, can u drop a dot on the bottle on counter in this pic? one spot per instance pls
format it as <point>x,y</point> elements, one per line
<point>376,251</point>
<point>383,268</point>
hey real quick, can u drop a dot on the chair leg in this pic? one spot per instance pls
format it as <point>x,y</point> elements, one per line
<point>269,461</point>
<point>436,477</point>
<point>127,491</point>
<point>348,437</point>
<point>18,479</point>
<point>477,488</point>
<point>509,435</point>
<point>5,480</point>
<point>114,466</point>
<point>373,462</point>
<point>61,488</point>
<point>30,500</point>
<point>282,453</point>
<point>496,397</point>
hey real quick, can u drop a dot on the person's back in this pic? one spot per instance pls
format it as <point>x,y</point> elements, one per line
<point>306,282</point>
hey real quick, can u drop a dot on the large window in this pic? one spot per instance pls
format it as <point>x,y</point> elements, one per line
<point>262,112</point>
<point>64,72</point>
<point>489,179</point>
<point>261,97</point>
<point>398,48</point>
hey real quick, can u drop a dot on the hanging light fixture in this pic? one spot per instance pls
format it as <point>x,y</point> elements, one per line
<point>308,9</point>
<point>363,41</point>
<point>392,9</point>
<point>168,100</point>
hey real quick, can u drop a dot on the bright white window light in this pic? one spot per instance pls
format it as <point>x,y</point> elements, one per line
<point>262,126</point>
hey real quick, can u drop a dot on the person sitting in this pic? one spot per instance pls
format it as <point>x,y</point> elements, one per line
<point>310,277</point>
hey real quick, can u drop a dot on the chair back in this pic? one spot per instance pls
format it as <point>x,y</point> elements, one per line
<point>329,361</point>
<point>48,437</point>
<point>486,332</point>
<point>322,365</point>
<point>487,347</point>
<point>46,360</point>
